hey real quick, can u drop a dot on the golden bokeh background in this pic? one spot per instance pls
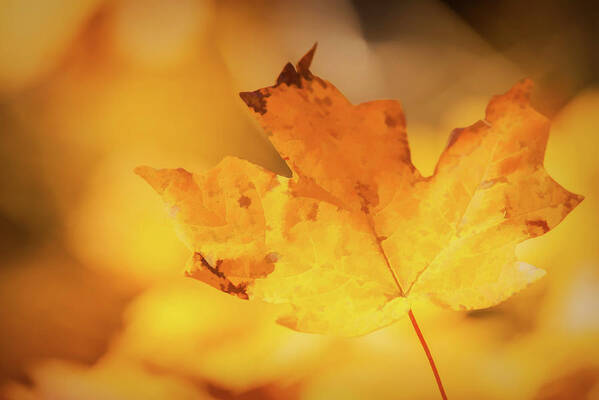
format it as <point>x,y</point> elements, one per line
<point>94,303</point>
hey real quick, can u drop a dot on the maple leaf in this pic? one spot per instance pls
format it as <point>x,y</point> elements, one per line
<point>356,232</point>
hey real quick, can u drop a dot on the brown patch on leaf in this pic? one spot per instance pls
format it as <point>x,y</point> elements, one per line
<point>537,227</point>
<point>255,100</point>
<point>313,214</point>
<point>390,121</point>
<point>239,290</point>
<point>321,82</point>
<point>207,265</point>
<point>244,201</point>
<point>368,196</point>
<point>571,202</point>
<point>203,271</point>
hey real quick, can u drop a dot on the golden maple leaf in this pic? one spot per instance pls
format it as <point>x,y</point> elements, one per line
<point>356,232</point>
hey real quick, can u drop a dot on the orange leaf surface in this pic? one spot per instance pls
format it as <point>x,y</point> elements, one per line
<point>356,232</point>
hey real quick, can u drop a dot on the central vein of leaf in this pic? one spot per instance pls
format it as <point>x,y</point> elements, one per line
<point>423,343</point>
<point>380,247</point>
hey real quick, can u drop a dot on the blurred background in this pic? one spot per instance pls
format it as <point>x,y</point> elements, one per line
<point>94,303</point>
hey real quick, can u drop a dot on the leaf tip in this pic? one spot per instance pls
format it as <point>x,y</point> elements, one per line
<point>143,171</point>
<point>290,321</point>
<point>529,272</point>
<point>255,100</point>
<point>157,178</point>
<point>303,65</point>
<point>289,76</point>
<point>518,96</point>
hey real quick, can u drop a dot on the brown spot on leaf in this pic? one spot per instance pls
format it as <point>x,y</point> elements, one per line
<point>236,290</point>
<point>206,264</point>
<point>321,82</point>
<point>313,214</point>
<point>255,100</point>
<point>537,227</point>
<point>390,121</point>
<point>572,202</point>
<point>215,277</point>
<point>369,197</point>
<point>244,201</point>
